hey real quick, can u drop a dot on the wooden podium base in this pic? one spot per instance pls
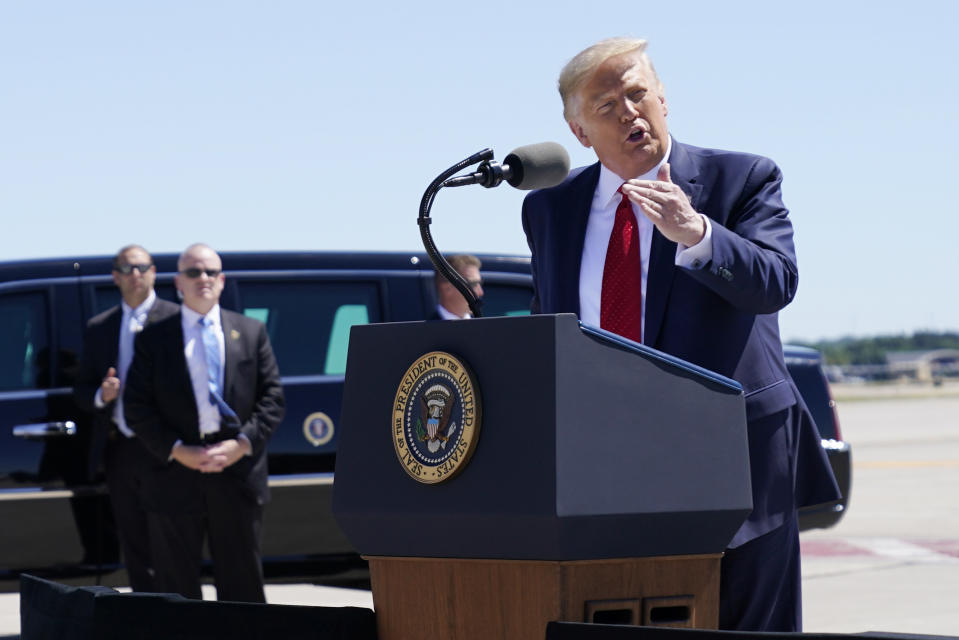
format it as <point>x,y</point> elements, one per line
<point>460,599</point>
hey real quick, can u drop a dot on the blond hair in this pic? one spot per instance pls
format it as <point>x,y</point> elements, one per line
<point>584,63</point>
<point>459,263</point>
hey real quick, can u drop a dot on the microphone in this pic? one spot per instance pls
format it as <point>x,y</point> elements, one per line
<point>533,166</point>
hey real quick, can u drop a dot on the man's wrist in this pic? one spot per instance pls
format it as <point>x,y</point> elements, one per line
<point>245,445</point>
<point>697,255</point>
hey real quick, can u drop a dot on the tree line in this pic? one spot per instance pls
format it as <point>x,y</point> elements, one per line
<point>849,350</point>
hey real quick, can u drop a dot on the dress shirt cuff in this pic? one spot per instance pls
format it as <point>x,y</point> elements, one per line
<point>98,399</point>
<point>241,437</point>
<point>178,442</point>
<point>696,256</point>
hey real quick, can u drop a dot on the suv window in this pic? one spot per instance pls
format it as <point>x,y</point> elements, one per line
<point>506,299</point>
<point>24,342</point>
<point>309,322</point>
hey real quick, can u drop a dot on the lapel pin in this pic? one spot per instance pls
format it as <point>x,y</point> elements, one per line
<point>234,334</point>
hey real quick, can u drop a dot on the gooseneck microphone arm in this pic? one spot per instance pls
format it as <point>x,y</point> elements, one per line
<point>439,262</point>
<point>533,166</point>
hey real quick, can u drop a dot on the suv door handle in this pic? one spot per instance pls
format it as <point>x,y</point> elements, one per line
<point>45,430</point>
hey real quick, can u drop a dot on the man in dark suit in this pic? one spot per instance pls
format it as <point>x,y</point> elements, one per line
<point>689,251</point>
<point>450,303</point>
<point>204,396</point>
<point>107,352</point>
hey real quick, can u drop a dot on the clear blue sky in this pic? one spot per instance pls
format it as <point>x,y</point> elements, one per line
<point>317,125</point>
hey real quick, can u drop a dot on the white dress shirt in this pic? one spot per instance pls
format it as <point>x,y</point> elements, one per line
<point>208,412</point>
<point>446,314</point>
<point>131,323</point>
<point>599,226</point>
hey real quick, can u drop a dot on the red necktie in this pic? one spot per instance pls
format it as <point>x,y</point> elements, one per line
<point>621,300</point>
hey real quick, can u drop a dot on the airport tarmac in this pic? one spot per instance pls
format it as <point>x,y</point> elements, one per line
<point>891,564</point>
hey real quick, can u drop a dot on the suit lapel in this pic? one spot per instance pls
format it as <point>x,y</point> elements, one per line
<point>662,258</point>
<point>154,313</point>
<point>568,266</point>
<point>166,337</point>
<point>233,353</point>
<point>111,347</point>
<point>182,369</point>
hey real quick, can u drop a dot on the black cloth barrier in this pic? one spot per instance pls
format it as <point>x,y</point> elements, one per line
<point>49,610</point>
<point>583,631</point>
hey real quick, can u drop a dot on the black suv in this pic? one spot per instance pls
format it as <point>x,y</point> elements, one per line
<point>805,367</point>
<point>56,517</point>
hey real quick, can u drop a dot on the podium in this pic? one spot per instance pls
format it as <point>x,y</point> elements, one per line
<point>604,481</point>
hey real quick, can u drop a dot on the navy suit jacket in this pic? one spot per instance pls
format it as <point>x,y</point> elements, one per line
<point>160,408</point>
<point>722,317</point>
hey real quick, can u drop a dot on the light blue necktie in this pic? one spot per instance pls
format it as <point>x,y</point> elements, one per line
<point>211,349</point>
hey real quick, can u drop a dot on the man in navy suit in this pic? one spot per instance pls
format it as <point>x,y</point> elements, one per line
<point>203,396</point>
<point>689,251</point>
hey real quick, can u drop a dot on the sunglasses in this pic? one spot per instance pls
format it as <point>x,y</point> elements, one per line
<point>193,272</point>
<point>127,269</point>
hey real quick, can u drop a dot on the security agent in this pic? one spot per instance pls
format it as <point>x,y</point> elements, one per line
<point>204,396</point>
<point>107,354</point>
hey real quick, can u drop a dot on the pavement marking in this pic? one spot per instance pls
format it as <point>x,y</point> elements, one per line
<point>831,547</point>
<point>947,547</point>
<point>916,551</point>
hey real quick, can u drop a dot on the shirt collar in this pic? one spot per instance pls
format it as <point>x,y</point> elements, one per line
<point>191,317</point>
<point>609,182</point>
<point>446,314</point>
<point>144,307</point>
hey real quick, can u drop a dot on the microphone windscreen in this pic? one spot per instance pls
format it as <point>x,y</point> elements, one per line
<point>537,166</point>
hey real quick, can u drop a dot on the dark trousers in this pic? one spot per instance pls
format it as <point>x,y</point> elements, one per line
<point>125,463</point>
<point>233,528</point>
<point>760,583</point>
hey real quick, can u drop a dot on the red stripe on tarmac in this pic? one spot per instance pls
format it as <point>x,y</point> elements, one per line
<point>945,547</point>
<point>826,548</point>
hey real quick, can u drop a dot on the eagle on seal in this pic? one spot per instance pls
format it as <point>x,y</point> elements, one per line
<point>437,407</point>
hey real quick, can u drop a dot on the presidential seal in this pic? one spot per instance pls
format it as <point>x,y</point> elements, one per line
<point>318,429</point>
<point>436,417</point>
